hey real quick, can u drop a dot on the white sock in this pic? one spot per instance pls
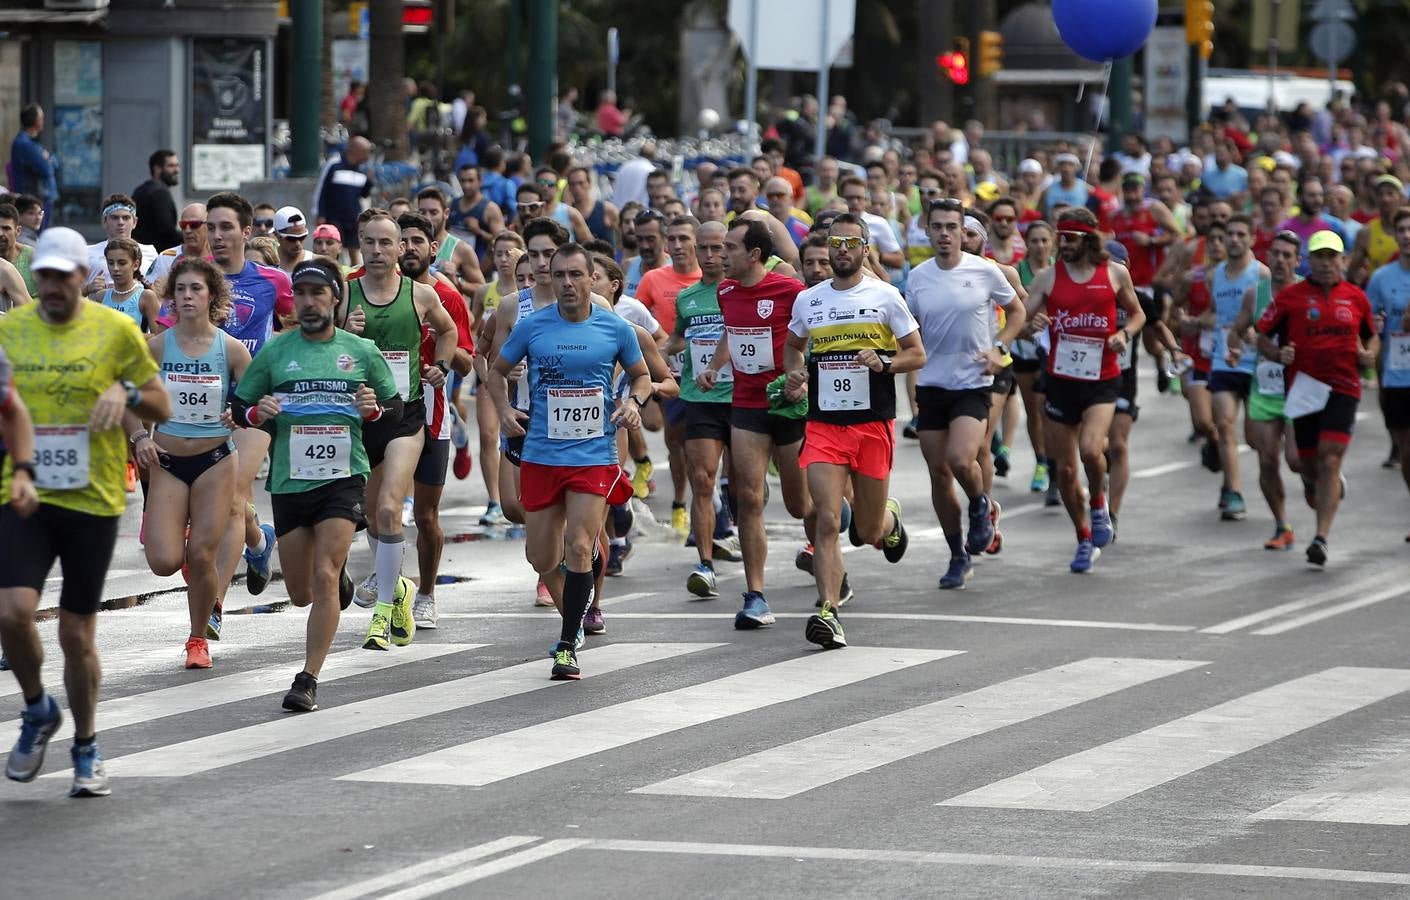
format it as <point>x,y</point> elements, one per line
<point>618,542</point>
<point>716,502</point>
<point>389,551</point>
<point>262,545</point>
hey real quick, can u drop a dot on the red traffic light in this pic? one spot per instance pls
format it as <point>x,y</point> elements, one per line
<point>955,66</point>
<point>417,14</point>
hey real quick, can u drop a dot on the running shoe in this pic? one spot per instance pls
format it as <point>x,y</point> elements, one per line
<point>1234,509</point>
<point>957,574</point>
<point>379,630</point>
<point>462,465</point>
<point>1039,484</point>
<point>346,590</point>
<point>852,534</point>
<point>198,653</point>
<point>408,512</point>
<point>1209,456</point>
<point>303,695</point>
<point>844,519</point>
<point>580,639</point>
<point>755,614</point>
<point>981,526</point>
<point>90,777</point>
<point>423,612</point>
<point>214,622</point>
<point>825,629</point>
<point>617,555</point>
<point>680,521</point>
<point>565,664</point>
<point>996,546</point>
<point>403,627</point>
<point>1113,528</point>
<point>1086,555</point>
<point>1053,497</point>
<point>994,444</point>
<point>366,594</point>
<point>623,519</point>
<point>909,431</point>
<point>257,565</point>
<point>727,548</point>
<point>541,595</point>
<point>893,546</point>
<point>593,622</point>
<point>1001,462</point>
<point>641,479</point>
<point>27,756</point>
<point>1282,539</point>
<point>701,582</point>
<point>494,515</point>
<point>459,433</point>
<point>804,559</point>
<point>844,594</point>
<point>1162,377</point>
<point>1224,498</point>
<point>1101,527</point>
<point>1393,460</point>
<point>1317,551</point>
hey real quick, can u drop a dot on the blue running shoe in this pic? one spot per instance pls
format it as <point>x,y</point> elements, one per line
<point>845,522</point>
<point>701,582</point>
<point>27,756</point>
<point>755,614</point>
<point>981,527</point>
<point>1234,508</point>
<point>90,777</point>
<point>955,577</point>
<point>257,570</point>
<point>1101,527</point>
<point>1086,555</point>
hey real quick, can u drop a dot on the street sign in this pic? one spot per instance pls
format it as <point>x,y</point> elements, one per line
<point>774,34</point>
<point>1332,41</point>
<point>1275,19</point>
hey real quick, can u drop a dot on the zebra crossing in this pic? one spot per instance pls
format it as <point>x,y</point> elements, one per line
<point>1372,789</point>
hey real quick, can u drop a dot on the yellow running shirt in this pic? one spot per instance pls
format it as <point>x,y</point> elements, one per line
<point>60,370</point>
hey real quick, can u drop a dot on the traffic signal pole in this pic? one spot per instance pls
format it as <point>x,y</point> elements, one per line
<point>542,75</point>
<point>1119,95</point>
<point>305,117</point>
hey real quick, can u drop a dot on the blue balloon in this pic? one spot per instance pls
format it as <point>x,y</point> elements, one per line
<point>1101,30</point>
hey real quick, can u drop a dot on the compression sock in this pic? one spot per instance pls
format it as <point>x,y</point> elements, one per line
<point>577,596</point>
<point>388,554</point>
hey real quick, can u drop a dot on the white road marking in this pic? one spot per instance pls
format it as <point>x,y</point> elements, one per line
<point>1167,468</point>
<point>1098,777</point>
<point>291,731</point>
<point>1273,612</point>
<point>1326,612</point>
<point>403,874</point>
<point>623,598</point>
<point>1375,795</point>
<point>512,753</point>
<point>486,870</point>
<point>791,769</point>
<point>1005,861</point>
<point>861,616</point>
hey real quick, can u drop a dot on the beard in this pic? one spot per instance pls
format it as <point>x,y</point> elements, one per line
<point>313,324</point>
<point>414,267</point>
<point>844,266</point>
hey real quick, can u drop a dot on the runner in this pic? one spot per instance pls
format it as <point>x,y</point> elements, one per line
<point>194,243</point>
<point>508,249</point>
<point>475,215</point>
<point>756,306</point>
<point>569,457</point>
<point>80,365</point>
<point>119,219</point>
<point>319,385</point>
<point>859,334</point>
<point>599,214</point>
<point>1389,293</point>
<point>1325,338</point>
<point>455,259</point>
<point>1028,362</point>
<point>1118,438</point>
<point>291,228</point>
<point>1376,243</point>
<point>127,295</point>
<point>816,259</point>
<point>955,297</point>
<point>19,255</point>
<point>1265,427</point>
<point>390,309</point>
<point>1146,227</point>
<point>1075,301</point>
<point>429,478</point>
<point>257,294</point>
<point>190,460</point>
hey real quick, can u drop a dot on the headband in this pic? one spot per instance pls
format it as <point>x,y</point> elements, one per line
<point>973,224</point>
<point>1075,226</point>
<point>118,207</point>
<point>310,271</point>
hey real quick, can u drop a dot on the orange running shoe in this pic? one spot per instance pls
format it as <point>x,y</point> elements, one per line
<point>198,653</point>
<point>1283,540</point>
<point>131,477</point>
<point>541,595</point>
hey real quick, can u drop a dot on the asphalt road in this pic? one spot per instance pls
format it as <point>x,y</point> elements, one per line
<point>1198,718</point>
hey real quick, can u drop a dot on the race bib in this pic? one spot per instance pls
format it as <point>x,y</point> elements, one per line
<point>320,452</point>
<point>1206,342</point>
<point>575,413</point>
<point>399,361</point>
<point>843,386</point>
<point>1398,351</point>
<point>1128,355</point>
<point>1078,357</point>
<point>676,362</point>
<point>1270,378</point>
<point>1307,396</point>
<point>702,351</point>
<point>195,399</point>
<point>61,457</point>
<point>521,393</point>
<point>751,349</point>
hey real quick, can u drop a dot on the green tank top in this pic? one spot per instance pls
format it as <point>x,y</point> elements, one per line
<point>396,330</point>
<point>1025,272</point>
<point>699,320</point>
<point>23,263</point>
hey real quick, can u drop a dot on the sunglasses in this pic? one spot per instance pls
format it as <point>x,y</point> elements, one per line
<point>837,242</point>
<point>548,184</point>
<point>531,207</point>
<point>195,223</point>
<point>264,223</point>
<point>1004,219</point>
<point>930,192</point>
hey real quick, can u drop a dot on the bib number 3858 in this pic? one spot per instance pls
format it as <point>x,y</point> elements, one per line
<point>61,457</point>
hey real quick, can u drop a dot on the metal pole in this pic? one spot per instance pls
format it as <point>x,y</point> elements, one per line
<point>824,70</point>
<point>613,53</point>
<point>1273,54</point>
<point>543,49</point>
<point>751,81</point>
<point>306,116</point>
<point>1332,56</point>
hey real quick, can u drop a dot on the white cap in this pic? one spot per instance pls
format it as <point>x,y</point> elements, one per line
<point>290,221</point>
<point>1030,165</point>
<point>60,249</point>
<point>1284,158</point>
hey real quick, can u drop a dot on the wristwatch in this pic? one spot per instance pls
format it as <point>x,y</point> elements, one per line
<point>885,365</point>
<point>134,396</point>
<point>640,404</point>
<point>445,369</point>
<point>27,467</point>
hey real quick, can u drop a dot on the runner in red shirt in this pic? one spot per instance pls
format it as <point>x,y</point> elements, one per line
<point>757,306</point>
<point>1325,338</point>
<point>1076,300</point>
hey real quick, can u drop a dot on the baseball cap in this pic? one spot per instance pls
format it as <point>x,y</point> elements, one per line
<point>1325,240</point>
<point>60,249</point>
<point>987,191</point>
<point>1117,251</point>
<point>329,231</point>
<point>316,273</point>
<point>289,221</point>
<point>1030,165</point>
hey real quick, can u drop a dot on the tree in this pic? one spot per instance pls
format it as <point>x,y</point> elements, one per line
<point>386,94</point>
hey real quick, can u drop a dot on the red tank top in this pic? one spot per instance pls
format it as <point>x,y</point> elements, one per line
<point>1196,304</point>
<point>1083,311</point>
<point>1144,261</point>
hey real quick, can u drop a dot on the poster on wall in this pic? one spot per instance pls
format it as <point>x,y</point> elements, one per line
<point>229,113</point>
<point>1167,83</point>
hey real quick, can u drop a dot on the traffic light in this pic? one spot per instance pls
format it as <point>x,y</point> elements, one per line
<point>1199,26</point>
<point>417,15</point>
<point>991,53</point>
<point>955,64</point>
